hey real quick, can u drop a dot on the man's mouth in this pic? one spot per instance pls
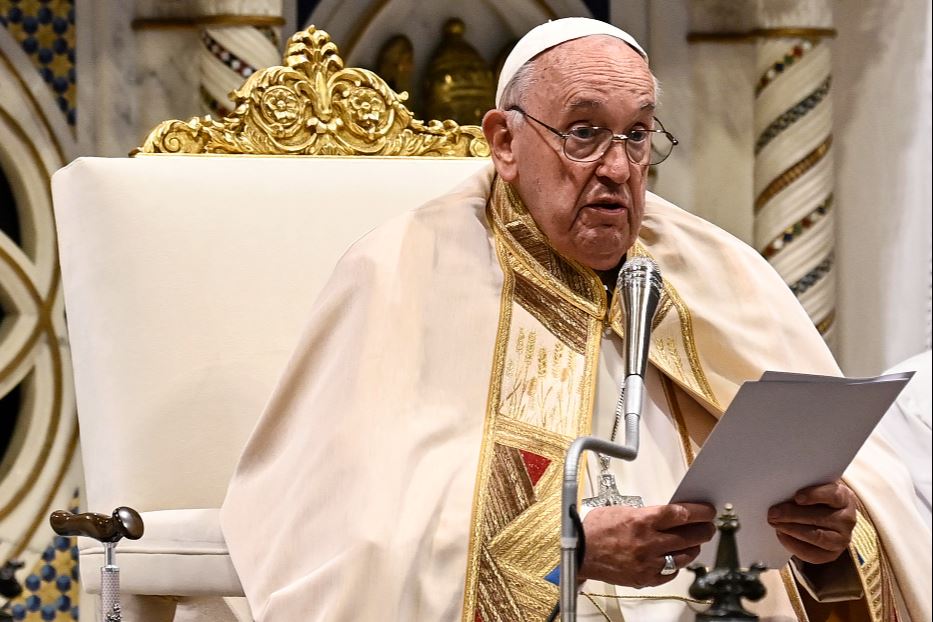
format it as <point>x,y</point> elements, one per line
<point>607,206</point>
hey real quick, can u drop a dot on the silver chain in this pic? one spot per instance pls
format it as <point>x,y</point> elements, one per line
<point>620,406</point>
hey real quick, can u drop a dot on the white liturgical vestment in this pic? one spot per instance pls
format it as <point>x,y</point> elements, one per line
<point>408,466</point>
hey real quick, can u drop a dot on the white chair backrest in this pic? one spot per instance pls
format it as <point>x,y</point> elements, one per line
<point>187,281</point>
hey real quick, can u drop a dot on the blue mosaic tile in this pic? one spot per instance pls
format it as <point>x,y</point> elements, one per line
<point>45,29</point>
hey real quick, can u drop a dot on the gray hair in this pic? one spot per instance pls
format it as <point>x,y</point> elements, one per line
<point>519,86</point>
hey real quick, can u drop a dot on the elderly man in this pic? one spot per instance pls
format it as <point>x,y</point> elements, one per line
<point>408,466</point>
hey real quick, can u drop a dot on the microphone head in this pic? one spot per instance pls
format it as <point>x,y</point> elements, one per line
<point>640,271</point>
<point>640,286</point>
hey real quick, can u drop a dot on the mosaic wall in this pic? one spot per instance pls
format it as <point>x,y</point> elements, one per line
<point>46,31</point>
<point>52,587</point>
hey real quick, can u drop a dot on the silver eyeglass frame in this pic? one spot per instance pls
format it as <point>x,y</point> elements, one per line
<point>623,138</point>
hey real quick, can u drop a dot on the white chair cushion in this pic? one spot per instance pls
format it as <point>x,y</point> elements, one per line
<point>187,280</point>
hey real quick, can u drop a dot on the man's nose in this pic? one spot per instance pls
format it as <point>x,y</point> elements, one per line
<point>614,164</point>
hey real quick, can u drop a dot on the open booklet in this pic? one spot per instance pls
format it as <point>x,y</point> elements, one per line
<point>780,434</point>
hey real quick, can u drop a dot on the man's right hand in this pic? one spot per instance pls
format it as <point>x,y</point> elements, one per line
<point>626,546</point>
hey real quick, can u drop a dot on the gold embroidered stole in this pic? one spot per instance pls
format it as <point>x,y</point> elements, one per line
<point>541,396</point>
<point>541,392</point>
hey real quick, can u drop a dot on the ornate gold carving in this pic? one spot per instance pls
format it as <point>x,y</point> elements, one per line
<point>312,105</point>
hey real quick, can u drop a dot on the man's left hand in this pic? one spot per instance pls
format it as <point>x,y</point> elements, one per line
<point>816,525</point>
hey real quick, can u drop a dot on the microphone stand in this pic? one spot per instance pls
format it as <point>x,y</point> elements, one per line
<point>639,283</point>
<point>569,537</point>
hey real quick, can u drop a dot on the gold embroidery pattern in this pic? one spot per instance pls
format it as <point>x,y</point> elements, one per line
<point>567,323</point>
<point>494,600</point>
<point>540,399</point>
<point>667,357</point>
<point>528,548</point>
<point>511,490</point>
<point>689,345</point>
<point>671,397</point>
<point>790,586</point>
<point>552,312</point>
<point>531,438</point>
<point>477,594</point>
<point>873,570</point>
<point>889,609</point>
<point>513,514</point>
<point>538,384</point>
<point>506,507</point>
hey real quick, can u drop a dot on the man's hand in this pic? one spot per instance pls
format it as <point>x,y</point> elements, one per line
<point>626,546</point>
<point>816,525</point>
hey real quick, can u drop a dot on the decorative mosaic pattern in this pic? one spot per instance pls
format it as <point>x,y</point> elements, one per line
<point>796,110</point>
<point>234,63</point>
<point>813,276</point>
<point>228,58</point>
<point>794,231</point>
<point>777,68</point>
<point>52,588</point>
<point>793,115</point>
<point>46,31</point>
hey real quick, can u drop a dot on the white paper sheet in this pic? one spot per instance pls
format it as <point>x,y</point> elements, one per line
<point>782,433</point>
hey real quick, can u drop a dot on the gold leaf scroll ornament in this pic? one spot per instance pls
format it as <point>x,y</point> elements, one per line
<point>314,106</point>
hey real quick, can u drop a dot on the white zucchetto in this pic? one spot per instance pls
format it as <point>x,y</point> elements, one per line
<point>549,34</point>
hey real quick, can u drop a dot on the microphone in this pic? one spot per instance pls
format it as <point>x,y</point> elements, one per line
<point>640,285</point>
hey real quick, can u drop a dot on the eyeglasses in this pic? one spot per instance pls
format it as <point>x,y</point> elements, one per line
<point>586,143</point>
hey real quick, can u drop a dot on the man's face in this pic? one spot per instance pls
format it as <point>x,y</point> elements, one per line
<point>590,211</point>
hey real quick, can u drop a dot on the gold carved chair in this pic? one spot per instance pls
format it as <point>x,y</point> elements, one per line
<point>188,272</point>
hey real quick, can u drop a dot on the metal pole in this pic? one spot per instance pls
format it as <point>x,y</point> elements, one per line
<point>568,533</point>
<point>110,585</point>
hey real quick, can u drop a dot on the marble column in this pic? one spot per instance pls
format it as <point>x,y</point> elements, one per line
<point>191,55</point>
<point>768,143</point>
<point>234,49</point>
<point>794,175</point>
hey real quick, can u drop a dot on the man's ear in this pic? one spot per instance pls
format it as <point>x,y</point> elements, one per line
<point>499,136</point>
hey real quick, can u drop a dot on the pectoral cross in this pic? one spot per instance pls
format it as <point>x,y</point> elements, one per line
<point>609,493</point>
